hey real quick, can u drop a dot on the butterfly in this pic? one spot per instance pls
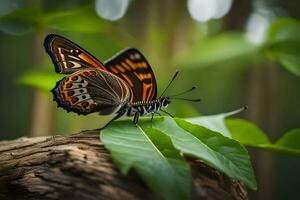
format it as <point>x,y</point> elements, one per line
<point>124,85</point>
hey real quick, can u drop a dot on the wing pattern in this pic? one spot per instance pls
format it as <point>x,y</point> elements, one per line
<point>91,90</point>
<point>69,57</point>
<point>131,66</point>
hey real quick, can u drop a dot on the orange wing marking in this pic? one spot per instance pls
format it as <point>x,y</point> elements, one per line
<point>114,70</point>
<point>128,80</point>
<point>136,65</point>
<point>91,61</point>
<point>125,66</point>
<point>150,93</point>
<point>143,64</point>
<point>145,93</point>
<point>143,76</point>
<point>121,69</point>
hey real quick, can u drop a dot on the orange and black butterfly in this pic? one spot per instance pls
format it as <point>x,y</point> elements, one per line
<point>123,85</point>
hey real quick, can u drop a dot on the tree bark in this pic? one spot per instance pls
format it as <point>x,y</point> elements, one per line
<point>79,167</point>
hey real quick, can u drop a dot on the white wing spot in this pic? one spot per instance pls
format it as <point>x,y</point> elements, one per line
<point>73,57</point>
<point>75,64</point>
<point>83,97</point>
<point>135,56</point>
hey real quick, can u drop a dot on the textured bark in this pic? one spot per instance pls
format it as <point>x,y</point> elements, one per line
<point>79,167</point>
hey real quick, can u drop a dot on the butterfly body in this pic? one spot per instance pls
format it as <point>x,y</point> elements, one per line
<point>151,107</point>
<point>143,108</point>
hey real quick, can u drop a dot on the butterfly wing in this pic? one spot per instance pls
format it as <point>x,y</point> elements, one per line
<point>91,90</point>
<point>131,66</point>
<point>69,57</point>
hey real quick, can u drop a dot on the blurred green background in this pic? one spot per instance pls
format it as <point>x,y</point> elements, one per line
<point>238,53</point>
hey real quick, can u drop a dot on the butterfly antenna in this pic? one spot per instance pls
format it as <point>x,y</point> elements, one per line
<point>167,113</point>
<point>176,73</point>
<point>187,91</point>
<point>184,99</point>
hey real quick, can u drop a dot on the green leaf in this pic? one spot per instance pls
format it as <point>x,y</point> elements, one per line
<point>132,147</point>
<point>212,122</point>
<point>42,81</point>
<point>215,122</point>
<point>249,134</point>
<point>165,146</point>
<point>8,6</point>
<point>287,53</point>
<point>83,19</point>
<point>230,47</point>
<point>27,19</point>
<point>284,29</point>
<point>291,140</point>
<point>214,149</point>
<point>246,133</point>
<point>284,43</point>
<point>288,143</point>
<point>240,130</point>
<point>21,21</point>
<point>163,143</point>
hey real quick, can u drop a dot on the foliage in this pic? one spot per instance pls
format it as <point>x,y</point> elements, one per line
<point>248,134</point>
<point>86,20</point>
<point>215,122</point>
<point>284,43</point>
<point>32,18</point>
<point>20,21</point>
<point>155,152</point>
<point>152,155</point>
<point>42,81</point>
<point>211,51</point>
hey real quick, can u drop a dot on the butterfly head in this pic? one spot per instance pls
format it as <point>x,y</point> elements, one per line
<point>165,101</point>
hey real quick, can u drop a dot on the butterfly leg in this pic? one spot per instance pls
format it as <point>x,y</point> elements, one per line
<point>152,115</point>
<point>120,114</point>
<point>157,113</point>
<point>136,118</point>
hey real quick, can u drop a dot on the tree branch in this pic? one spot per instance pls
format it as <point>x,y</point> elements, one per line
<point>79,167</point>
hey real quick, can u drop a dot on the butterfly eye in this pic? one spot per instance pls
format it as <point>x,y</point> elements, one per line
<point>165,103</point>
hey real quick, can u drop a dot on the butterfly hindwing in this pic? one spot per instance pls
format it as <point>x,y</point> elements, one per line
<point>131,66</point>
<point>67,56</point>
<point>91,90</point>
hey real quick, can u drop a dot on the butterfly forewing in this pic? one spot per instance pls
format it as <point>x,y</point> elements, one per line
<point>67,56</point>
<point>91,90</point>
<point>131,66</point>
